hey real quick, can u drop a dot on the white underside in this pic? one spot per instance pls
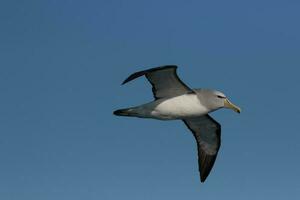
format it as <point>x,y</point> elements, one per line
<point>179,107</point>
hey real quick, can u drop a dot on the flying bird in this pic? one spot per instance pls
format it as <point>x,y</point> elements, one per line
<point>175,100</point>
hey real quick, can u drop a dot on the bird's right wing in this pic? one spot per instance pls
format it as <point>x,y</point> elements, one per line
<point>207,133</point>
<point>164,80</point>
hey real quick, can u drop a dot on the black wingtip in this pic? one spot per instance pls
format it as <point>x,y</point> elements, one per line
<point>202,179</point>
<point>125,82</point>
<point>144,72</point>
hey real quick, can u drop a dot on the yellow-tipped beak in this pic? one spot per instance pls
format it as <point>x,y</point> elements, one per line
<point>228,104</point>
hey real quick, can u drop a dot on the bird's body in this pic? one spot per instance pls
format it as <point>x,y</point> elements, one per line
<point>174,100</point>
<point>179,107</point>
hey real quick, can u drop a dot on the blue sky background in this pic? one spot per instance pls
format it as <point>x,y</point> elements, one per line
<point>61,65</point>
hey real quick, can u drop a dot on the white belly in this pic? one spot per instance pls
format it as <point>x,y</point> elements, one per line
<point>183,106</point>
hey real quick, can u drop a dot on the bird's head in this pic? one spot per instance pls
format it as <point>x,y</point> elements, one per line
<point>216,99</point>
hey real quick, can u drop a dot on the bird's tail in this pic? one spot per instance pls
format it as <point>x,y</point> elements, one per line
<point>130,112</point>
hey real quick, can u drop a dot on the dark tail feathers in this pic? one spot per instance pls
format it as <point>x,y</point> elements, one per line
<point>124,112</point>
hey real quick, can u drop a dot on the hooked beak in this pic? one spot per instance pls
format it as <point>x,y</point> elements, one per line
<point>228,104</point>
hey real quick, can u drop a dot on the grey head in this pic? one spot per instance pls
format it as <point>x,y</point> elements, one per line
<point>214,100</point>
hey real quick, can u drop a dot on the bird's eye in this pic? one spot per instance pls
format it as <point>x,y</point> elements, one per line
<point>221,97</point>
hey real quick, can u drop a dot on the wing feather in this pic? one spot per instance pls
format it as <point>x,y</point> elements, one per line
<point>164,80</point>
<point>207,133</point>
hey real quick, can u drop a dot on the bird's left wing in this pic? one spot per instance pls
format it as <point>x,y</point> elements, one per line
<point>164,80</point>
<point>207,133</point>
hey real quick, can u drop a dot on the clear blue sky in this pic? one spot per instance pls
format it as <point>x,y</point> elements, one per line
<point>61,65</point>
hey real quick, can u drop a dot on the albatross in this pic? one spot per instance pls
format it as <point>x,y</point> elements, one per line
<point>174,100</point>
